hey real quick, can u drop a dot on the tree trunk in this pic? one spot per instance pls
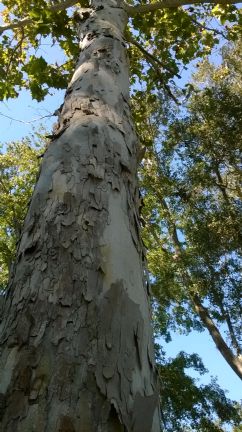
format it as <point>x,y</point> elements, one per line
<point>76,344</point>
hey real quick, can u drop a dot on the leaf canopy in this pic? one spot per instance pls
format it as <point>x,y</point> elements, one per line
<point>170,37</point>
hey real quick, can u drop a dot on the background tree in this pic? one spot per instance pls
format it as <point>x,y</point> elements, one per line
<point>19,166</point>
<point>192,207</point>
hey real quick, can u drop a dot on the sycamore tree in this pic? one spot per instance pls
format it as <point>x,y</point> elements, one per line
<point>184,402</point>
<point>76,344</point>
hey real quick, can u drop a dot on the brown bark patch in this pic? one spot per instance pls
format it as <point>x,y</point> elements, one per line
<point>66,425</point>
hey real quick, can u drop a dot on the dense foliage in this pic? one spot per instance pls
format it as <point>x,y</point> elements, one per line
<point>161,42</point>
<point>187,406</point>
<point>19,166</point>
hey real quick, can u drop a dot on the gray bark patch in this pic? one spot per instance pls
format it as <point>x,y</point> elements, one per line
<point>119,357</point>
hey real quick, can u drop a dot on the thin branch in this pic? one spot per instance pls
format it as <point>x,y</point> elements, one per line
<point>146,53</point>
<point>134,10</point>
<point>215,31</point>
<point>25,21</point>
<point>156,64</point>
<point>15,49</point>
<point>26,122</point>
<point>222,187</point>
<point>233,337</point>
<point>130,39</point>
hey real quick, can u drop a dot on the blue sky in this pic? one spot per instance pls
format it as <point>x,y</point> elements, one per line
<point>202,344</point>
<point>27,114</point>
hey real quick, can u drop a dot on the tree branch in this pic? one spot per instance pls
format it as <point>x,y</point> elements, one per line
<point>155,63</point>
<point>25,122</point>
<point>234,362</point>
<point>143,9</point>
<point>215,31</point>
<point>130,39</point>
<point>231,332</point>
<point>25,21</point>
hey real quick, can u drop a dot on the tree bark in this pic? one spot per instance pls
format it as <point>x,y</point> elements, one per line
<point>76,345</point>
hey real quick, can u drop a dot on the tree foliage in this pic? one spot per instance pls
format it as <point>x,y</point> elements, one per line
<point>19,166</point>
<point>191,212</point>
<point>187,406</point>
<point>161,42</point>
<point>191,180</point>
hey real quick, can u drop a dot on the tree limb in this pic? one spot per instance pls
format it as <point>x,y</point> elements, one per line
<point>215,31</point>
<point>156,64</point>
<point>131,10</point>
<point>146,53</point>
<point>235,362</point>
<point>25,21</point>
<point>25,122</point>
<point>231,330</point>
<point>143,9</point>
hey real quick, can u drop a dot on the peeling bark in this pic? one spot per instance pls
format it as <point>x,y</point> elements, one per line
<point>76,343</point>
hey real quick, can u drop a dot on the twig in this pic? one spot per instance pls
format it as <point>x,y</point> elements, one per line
<point>14,50</point>
<point>215,31</point>
<point>147,54</point>
<point>26,122</point>
<point>155,63</point>
<point>25,21</point>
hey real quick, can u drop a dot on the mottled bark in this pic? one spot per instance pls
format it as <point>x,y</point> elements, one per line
<point>76,344</point>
